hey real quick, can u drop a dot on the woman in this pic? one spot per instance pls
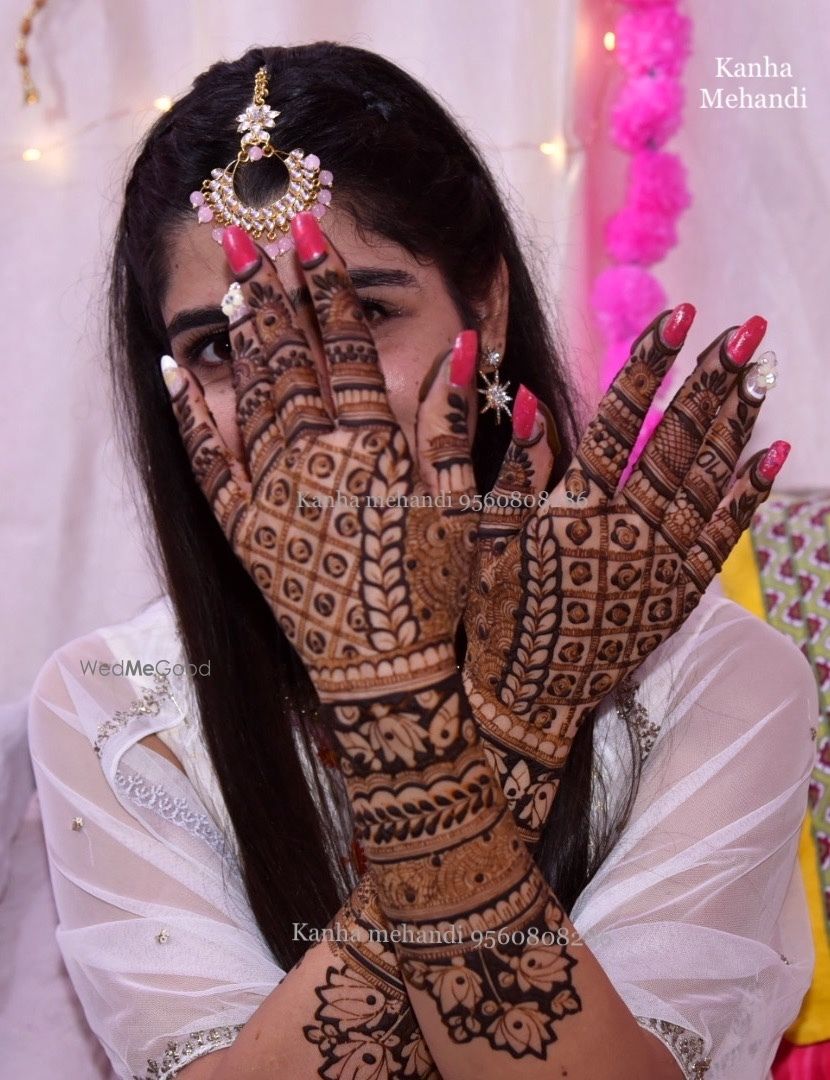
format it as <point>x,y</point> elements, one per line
<point>539,854</point>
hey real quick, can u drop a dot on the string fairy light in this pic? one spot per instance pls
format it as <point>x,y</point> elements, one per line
<point>31,96</point>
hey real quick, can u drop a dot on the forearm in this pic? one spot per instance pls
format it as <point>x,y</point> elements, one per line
<point>342,1006</point>
<point>494,969</point>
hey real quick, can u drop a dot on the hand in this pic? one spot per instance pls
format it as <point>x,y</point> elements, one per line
<point>573,594</point>
<point>365,576</point>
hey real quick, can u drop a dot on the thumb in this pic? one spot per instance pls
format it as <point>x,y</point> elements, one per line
<point>442,434</point>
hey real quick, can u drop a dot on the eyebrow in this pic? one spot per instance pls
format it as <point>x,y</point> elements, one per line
<point>363,277</point>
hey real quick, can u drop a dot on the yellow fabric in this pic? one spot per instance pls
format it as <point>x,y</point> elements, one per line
<point>742,583</point>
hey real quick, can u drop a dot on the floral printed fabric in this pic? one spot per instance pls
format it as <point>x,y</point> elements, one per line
<point>791,537</point>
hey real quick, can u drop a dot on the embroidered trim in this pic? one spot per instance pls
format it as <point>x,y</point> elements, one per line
<point>148,704</point>
<point>633,713</point>
<point>178,810</point>
<point>179,1054</point>
<point>686,1047</point>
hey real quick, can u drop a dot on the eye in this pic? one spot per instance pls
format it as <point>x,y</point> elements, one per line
<point>377,311</point>
<point>210,350</point>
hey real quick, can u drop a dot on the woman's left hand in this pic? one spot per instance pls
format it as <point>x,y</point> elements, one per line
<point>366,577</point>
<point>571,596</point>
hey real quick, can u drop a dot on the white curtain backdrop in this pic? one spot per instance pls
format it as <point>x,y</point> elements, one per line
<point>516,74</point>
<point>72,550</point>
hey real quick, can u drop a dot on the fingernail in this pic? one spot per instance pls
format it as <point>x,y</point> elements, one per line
<point>772,462</point>
<point>745,340</point>
<point>308,238</point>
<point>524,413</point>
<point>464,356</point>
<point>676,326</point>
<point>171,374</point>
<point>240,250</point>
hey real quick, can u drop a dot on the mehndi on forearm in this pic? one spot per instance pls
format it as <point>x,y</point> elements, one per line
<point>479,930</point>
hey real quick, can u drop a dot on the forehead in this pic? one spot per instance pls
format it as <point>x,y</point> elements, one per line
<point>199,274</point>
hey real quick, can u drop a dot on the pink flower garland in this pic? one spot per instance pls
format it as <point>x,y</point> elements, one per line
<point>653,41</point>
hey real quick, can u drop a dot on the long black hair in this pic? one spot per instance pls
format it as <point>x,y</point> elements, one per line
<point>404,169</point>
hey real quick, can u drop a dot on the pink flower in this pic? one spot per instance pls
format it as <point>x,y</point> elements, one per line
<point>626,299</point>
<point>639,236</point>
<point>646,113</point>
<point>657,38</point>
<point>657,182</point>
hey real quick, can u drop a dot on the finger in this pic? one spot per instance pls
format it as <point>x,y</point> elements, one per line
<point>707,480</point>
<point>261,434</point>
<point>675,444</point>
<point>357,385</point>
<point>442,431</point>
<point>218,473</point>
<point>268,343</point>
<point>609,438</point>
<point>734,515</point>
<point>523,476</point>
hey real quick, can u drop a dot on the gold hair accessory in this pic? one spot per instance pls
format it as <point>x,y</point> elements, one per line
<point>495,391</point>
<point>309,188</point>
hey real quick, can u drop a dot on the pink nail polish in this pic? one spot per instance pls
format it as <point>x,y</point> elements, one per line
<point>771,463</point>
<point>240,250</point>
<point>676,326</point>
<point>746,339</point>
<point>308,237</point>
<point>464,356</point>
<point>524,413</point>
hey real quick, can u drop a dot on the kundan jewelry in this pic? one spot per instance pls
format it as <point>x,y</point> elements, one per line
<point>494,391</point>
<point>309,187</point>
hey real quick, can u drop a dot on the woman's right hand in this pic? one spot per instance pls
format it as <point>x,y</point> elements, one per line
<point>571,595</point>
<point>330,513</point>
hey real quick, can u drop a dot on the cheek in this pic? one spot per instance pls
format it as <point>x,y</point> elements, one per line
<point>221,400</point>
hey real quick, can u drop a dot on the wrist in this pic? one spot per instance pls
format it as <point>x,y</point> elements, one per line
<point>527,746</point>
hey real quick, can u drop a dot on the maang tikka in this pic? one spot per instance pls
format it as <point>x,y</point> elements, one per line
<point>309,187</point>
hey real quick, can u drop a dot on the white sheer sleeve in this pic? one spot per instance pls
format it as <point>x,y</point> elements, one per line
<point>154,926</point>
<point>698,914</point>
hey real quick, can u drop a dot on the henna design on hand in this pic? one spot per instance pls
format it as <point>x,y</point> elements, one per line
<point>370,592</point>
<point>364,1024</point>
<point>448,865</point>
<point>595,579</point>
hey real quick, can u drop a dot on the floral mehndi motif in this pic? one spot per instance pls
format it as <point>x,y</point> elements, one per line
<point>589,584</point>
<point>376,633</point>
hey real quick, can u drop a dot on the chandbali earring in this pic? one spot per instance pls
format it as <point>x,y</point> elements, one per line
<point>494,390</point>
<point>309,187</point>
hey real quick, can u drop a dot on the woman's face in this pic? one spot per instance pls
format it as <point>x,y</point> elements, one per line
<point>408,307</point>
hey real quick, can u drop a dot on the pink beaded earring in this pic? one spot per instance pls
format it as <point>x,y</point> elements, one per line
<point>309,187</point>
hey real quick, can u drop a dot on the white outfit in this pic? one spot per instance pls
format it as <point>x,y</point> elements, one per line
<point>697,915</point>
